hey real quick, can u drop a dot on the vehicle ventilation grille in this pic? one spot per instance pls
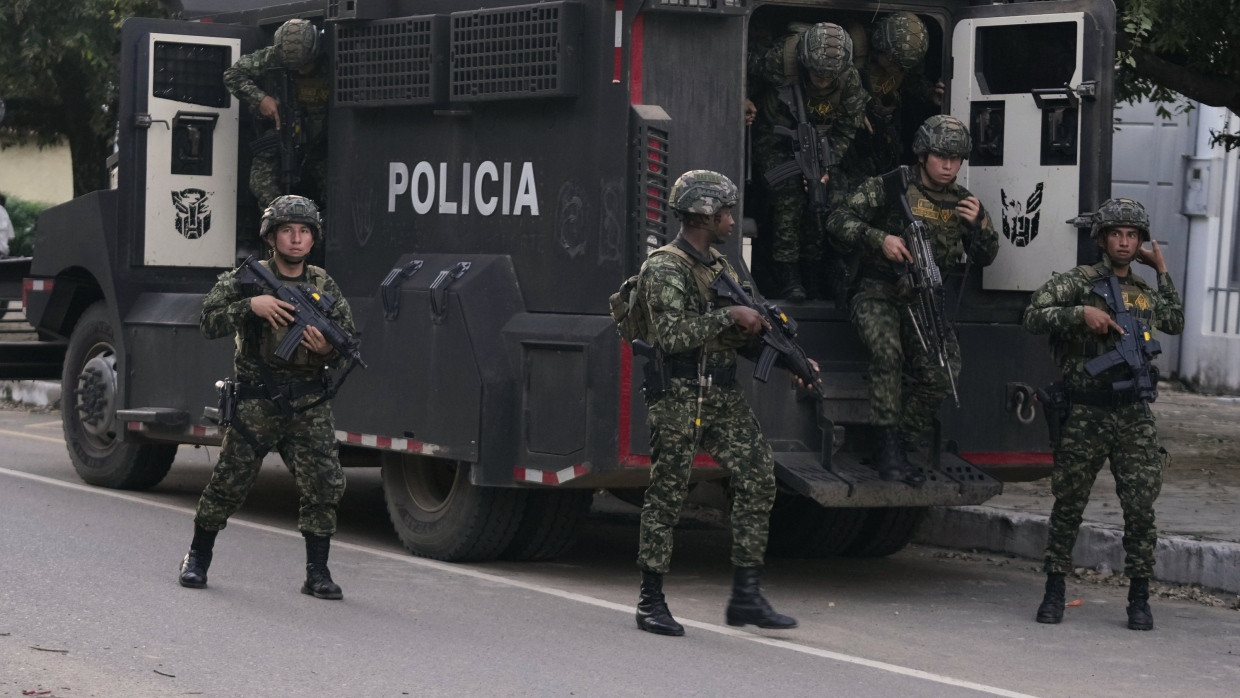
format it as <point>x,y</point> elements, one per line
<point>721,6</point>
<point>515,52</point>
<point>387,62</point>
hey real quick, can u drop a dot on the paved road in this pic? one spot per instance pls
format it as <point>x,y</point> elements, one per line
<point>89,606</point>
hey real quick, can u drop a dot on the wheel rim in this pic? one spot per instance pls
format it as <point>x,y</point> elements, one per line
<point>95,397</point>
<point>431,484</point>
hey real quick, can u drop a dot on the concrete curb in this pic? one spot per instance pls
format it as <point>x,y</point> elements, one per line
<point>1180,560</point>
<point>37,393</point>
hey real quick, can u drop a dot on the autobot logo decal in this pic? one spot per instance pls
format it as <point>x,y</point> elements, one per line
<point>1020,219</point>
<point>193,212</point>
<point>488,189</point>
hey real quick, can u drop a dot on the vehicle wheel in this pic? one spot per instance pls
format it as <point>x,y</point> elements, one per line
<point>89,392</point>
<point>549,525</point>
<point>438,513</point>
<point>801,528</point>
<point>886,531</point>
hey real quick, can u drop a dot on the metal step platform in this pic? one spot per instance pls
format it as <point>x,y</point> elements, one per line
<point>852,483</point>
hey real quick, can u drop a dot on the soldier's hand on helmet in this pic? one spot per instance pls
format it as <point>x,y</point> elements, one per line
<point>969,208</point>
<point>1152,256</point>
<point>749,320</point>
<point>751,112</point>
<point>314,340</point>
<point>272,309</point>
<point>269,108</point>
<point>1100,321</point>
<point>894,249</point>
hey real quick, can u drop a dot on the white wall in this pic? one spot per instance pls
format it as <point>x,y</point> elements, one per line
<point>35,174</point>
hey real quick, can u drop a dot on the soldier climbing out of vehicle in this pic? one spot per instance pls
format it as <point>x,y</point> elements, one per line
<point>871,225</point>
<point>804,94</point>
<point>287,86</point>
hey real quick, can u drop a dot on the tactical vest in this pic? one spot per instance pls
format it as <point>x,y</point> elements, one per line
<point>269,338</point>
<point>1137,298</point>
<point>703,276</point>
<point>313,93</point>
<point>940,216</point>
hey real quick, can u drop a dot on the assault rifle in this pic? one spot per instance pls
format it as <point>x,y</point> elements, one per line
<point>1134,348</point>
<point>929,321</point>
<point>310,308</point>
<point>780,340</point>
<point>812,154</point>
<point>290,138</point>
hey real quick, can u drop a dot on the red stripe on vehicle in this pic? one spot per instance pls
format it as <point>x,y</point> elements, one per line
<point>635,61</point>
<point>1008,458</point>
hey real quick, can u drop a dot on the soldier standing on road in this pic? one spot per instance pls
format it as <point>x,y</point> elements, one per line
<point>700,404</point>
<point>297,51</point>
<point>1102,423</point>
<point>819,59</point>
<point>280,404</point>
<point>869,224</point>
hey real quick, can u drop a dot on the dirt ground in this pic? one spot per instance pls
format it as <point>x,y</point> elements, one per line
<point>1202,434</point>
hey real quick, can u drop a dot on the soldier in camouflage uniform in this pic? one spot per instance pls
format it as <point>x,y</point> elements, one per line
<point>699,404</point>
<point>1101,423</point>
<point>869,225</point>
<point>820,59</point>
<point>890,63</point>
<point>297,51</point>
<point>299,425</point>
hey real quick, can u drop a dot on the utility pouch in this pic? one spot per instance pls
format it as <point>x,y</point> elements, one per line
<point>228,401</point>
<point>1055,405</point>
<point>654,374</point>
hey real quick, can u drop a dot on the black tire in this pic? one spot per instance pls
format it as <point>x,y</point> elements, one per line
<point>89,389</point>
<point>886,531</point>
<point>438,513</point>
<point>550,524</point>
<point>801,528</point>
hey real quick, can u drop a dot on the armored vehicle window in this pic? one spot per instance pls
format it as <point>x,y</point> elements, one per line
<point>190,73</point>
<point>1017,59</point>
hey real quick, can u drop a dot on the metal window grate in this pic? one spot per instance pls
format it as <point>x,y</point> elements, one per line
<point>387,62</point>
<point>191,73</point>
<point>725,6</point>
<point>655,184</point>
<point>515,52</point>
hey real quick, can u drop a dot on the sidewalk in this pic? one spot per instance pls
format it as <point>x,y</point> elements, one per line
<point>1198,510</point>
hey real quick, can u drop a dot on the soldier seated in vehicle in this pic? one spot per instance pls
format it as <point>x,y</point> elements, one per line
<point>293,157</point>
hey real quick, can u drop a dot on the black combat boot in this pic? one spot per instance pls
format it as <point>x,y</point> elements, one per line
<point>1051,610</point>
<point>1139,615</point>
<point>198,559</point>
<point>889,457</point>
<point>652,613</point>
<point>319,582</point>
<point>747,607</point>
<point>788,277</point>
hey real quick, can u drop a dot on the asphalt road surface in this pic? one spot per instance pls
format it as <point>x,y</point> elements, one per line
<point>89,606</point>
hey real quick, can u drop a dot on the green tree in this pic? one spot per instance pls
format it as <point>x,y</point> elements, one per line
<point>1169,48</point>
<point>58,68</point>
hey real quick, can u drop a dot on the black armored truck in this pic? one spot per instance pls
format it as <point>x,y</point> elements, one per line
<point>496,169</point>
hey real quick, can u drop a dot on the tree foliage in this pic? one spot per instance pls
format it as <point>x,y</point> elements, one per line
<point>58,68</point>
<point>1169,50</point>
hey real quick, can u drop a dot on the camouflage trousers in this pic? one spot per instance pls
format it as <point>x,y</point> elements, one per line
<point>795,232</point>
<point>266,184</point>
<point>731,434</point>
<point>307,443</point>
<point>1128,437</point>
<point>882,319</point>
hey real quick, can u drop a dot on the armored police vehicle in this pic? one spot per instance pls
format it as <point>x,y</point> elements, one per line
<point>496,169</point>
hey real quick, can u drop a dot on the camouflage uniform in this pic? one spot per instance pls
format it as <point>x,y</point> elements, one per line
<point>306,440</point>
<point>838,110</point>
<point>879,308</point>
<point>684,324</point>
<point>1124,433</point>
<point>312,92</point>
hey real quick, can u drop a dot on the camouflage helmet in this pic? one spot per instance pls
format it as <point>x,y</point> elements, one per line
<point>291,209</point>
<point>702,191</point>
<point>297,43</point>
<point>1114,213</point>
<point>943,134</point>
<point>903,37</point>
<point>825,50</point>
